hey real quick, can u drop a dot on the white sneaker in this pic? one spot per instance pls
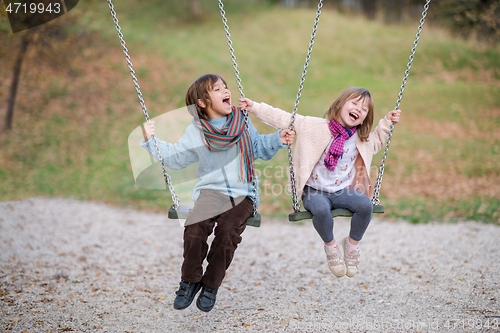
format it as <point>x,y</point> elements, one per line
<point>351,259</point>
<point>335,261</point>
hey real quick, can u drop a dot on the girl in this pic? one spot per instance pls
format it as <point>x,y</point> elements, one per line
<point>332,159</point>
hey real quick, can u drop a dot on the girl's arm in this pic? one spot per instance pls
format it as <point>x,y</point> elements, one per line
<point>381,132</point>
<point>274,117</point>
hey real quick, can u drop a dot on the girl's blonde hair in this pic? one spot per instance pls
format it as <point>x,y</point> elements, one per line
<point>333,112</point>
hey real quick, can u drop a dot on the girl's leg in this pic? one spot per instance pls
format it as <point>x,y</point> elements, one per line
<point>318,203</point>
<point>360,206</point>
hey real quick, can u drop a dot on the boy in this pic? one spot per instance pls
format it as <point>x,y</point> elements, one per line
<point>225,150</point>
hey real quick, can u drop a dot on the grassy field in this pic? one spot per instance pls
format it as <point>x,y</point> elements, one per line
<point>72,124</point>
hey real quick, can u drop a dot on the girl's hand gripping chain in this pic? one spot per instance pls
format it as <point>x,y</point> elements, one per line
<point>245,104</point>
<point>287,136</point>
<point>393,116</point>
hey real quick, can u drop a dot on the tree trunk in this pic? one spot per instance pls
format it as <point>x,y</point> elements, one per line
<point>393,10</point>
<point>369,8</point>
<point>15,80</point>
<point>195,9</point>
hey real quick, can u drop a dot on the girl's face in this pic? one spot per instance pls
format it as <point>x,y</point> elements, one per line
<point>353,112</point>
<point>220,97</point>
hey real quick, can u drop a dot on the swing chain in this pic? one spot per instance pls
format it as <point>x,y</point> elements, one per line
<point>242,95</point>
<point>167,177</point>
<point>378,182</point>
<point>296,205</point>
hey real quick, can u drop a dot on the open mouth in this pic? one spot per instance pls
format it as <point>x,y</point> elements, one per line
<point>353,116</point>
<point>226,100</point>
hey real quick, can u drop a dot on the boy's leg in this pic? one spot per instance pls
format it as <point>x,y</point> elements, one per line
<point>195,248</point>
<point>230,225</point>
<point>195,251</point>
<point>196,234</point>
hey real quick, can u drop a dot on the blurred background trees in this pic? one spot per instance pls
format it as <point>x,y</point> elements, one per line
<point>76,106</point>
<point>468,18</point>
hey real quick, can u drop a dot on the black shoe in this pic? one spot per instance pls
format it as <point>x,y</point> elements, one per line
<point>185,294</point>
<point>206,300</point>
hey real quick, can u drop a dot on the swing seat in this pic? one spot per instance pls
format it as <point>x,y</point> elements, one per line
<point>182,213</point>
<point>307,215</point>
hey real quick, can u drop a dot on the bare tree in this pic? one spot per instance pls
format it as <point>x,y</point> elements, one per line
<point>195,9</point>
<point>369,8</point>
<point>15,80</point>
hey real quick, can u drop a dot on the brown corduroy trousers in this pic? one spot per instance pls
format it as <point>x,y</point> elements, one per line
<point>230,215</point>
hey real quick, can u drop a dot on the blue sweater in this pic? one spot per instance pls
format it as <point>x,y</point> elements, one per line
<point>217,170</point>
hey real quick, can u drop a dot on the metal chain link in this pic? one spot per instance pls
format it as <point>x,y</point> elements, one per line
<point>378,182</point>
<point>168,180</point>
<point>296,205</point>
<point>240,89</point>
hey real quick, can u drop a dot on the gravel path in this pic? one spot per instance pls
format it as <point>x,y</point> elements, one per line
<point>77,266</point>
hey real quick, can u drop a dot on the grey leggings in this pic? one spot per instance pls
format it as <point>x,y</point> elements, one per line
<point>320,203</point>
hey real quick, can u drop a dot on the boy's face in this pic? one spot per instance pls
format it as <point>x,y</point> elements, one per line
<point>353,112</point>
<point>221,101</point>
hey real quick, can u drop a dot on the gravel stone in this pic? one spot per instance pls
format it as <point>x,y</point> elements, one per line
<point>73,266</point>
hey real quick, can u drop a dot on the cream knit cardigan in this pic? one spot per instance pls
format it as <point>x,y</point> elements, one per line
<point>312,138</point>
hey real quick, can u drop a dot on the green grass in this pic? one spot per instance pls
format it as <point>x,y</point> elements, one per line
<point>424,211</point>
<point>70,136</point>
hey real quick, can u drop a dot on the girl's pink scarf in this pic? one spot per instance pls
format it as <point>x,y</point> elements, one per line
<point>340,134</point>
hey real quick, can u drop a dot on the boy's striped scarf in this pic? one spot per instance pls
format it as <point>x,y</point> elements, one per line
<point>233,132</point>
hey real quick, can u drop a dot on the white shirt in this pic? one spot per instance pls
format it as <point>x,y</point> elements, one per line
<point>331,181</point>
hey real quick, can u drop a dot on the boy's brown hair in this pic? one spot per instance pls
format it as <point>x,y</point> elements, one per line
<point>199,90</point>
<point>333,112</point>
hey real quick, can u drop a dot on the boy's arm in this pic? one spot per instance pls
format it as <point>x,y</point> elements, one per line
<point>265,146</point>
<point>175,156</point>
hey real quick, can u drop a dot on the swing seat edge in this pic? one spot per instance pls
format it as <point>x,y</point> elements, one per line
<point>182,212</point>
<point>307,215</point>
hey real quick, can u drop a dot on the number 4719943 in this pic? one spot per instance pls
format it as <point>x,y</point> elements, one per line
<point>24,8</point>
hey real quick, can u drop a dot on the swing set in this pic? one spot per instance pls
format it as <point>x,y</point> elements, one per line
<point>178,211</point>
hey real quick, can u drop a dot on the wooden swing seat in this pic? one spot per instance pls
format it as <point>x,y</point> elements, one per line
<point>307,215</point>
<point>182,213</point>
